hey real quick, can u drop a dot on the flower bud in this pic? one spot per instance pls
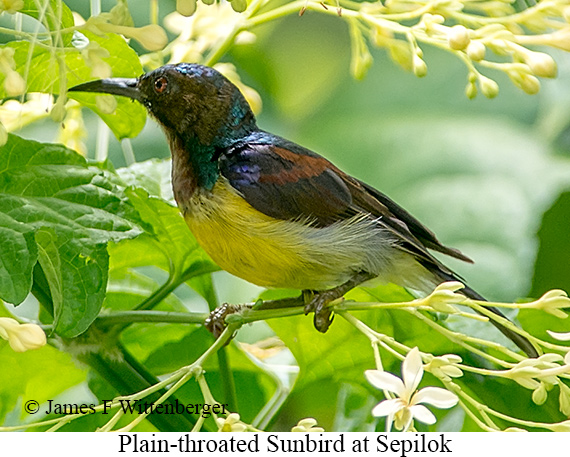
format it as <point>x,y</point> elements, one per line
<point>559,336</point>
<point>360,65</point>
<point>239,6</point>
<point>471,90</point>
<point>551,358</point>
<point>541,64</point>
<point>14,84</point>
<point>208,2</point>
<point>401,53</point>
<point>476,51</point>
<point>186,7</point>
<point>58,111</point>
<point>382,36</point>
<point>458,37</point>
<point>564,399</point>
<point>21,337</point>
<point>531,85</point>
<point>540,395</point>
<point>245,37</point>
<point>419,66</point>
<point>489,87</point>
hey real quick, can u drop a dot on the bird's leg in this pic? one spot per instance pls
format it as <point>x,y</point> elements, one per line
<point>319,301</point>
<point>316,301</point>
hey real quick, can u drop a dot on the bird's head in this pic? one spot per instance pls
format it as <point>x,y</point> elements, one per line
<point>193,102</point>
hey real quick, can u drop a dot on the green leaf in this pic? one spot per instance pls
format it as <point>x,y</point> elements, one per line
<point>152,175</point>
<point>77,210</point>
<point>129,118</point>
<point>54,14</point>
<point>42,74</point>
<point>552,268</point>
<point>50,261</point>
<point>172,247</point>
<point>33,375</point>
<point>19,255</point>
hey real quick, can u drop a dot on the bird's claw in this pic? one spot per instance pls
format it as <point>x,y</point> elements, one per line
<point>216,321</point>
<point>319,304</point>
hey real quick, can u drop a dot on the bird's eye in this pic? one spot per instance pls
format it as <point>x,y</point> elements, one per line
<point>160,85</point>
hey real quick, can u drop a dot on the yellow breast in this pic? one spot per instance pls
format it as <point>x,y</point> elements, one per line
<point>275,253</point>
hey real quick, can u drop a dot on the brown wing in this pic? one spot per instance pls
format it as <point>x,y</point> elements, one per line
<point>283,180</point>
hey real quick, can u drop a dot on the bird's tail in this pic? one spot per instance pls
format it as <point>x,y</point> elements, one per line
<point>523,343</point>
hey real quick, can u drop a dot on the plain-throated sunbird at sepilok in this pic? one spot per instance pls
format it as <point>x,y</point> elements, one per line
<point>272,212</point>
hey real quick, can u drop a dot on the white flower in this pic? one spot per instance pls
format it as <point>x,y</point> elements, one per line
<point>21,337</point>
<point>407,407</point>
<point>307,425</point>
<point>231,423</point>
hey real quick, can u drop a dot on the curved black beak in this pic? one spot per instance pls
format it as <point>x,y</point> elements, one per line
<point>127,87</point>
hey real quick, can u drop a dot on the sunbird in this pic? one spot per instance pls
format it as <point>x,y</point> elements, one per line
<point>273,212</point>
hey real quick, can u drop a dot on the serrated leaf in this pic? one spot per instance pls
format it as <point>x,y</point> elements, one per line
<point>77,210</point>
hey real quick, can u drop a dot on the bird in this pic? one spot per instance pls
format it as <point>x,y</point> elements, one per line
<point>273,212</point>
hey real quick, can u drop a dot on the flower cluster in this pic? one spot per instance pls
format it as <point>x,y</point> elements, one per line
<point>469,30</point>
<point>541,375</point>
<point>199,34</point>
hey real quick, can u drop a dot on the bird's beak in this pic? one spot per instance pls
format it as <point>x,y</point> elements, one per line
<point>127,87</point>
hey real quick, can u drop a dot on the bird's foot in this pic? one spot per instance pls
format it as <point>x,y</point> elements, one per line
<point>216,321</point>
<point>319,304</point>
